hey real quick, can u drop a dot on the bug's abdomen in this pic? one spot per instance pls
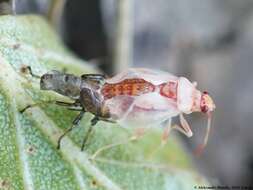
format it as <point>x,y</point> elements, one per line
<point>130,87</point>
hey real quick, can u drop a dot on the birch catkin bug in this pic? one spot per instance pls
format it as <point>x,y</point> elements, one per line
<point>137,97</point>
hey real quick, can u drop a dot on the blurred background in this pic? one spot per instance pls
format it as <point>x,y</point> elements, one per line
<point>208,41</point>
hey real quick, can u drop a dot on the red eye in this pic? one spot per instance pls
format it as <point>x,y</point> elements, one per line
<point>205,92</point>
<point>204,108</point>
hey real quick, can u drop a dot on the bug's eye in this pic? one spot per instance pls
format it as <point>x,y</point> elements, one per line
<point>46,77</point>
<point>204,108</point>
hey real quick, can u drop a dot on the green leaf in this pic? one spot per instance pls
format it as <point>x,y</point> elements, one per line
<point>28,155</point>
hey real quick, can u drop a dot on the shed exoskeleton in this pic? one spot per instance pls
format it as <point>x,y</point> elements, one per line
<point>82,90</point>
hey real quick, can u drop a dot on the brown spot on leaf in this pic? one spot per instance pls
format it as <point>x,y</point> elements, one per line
<point>31,150</point>
<point>4,184</point>
<point>24,69</point>
<point>94,183</point>
<point>16,46</point>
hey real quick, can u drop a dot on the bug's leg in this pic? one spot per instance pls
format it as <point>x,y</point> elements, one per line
<point>92,101</point>
<point>164,138</point>
<point>137,135</point>
<point>93,123</point>
<point>35,105</point>
<point>67,104</point>
<point>75,123</point>
<point>184,127</point>
<point>75,109</point>
<point>166,132</point>
<point>201,147</point>
<point>60,103</point>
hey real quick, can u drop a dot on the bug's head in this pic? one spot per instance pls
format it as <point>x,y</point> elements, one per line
<point>206,103</point>
<point>206,106</point>
<point>46,82</point>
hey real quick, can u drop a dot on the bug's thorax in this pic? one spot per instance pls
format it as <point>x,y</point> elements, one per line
<point>196,101</point>
<point>188,97</point>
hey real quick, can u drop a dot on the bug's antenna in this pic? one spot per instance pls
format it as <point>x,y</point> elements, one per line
<point>29,69</point>
<point>201,147</point>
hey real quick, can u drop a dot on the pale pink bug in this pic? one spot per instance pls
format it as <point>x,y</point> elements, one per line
<point>162,97</point>
<point>141,98</point>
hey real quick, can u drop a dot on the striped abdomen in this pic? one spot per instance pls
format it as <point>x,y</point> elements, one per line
<point>131,87</point>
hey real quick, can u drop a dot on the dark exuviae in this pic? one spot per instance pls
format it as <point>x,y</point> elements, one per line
<point>82,90</point>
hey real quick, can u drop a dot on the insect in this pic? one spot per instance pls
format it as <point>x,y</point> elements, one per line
<point>137,97</point>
